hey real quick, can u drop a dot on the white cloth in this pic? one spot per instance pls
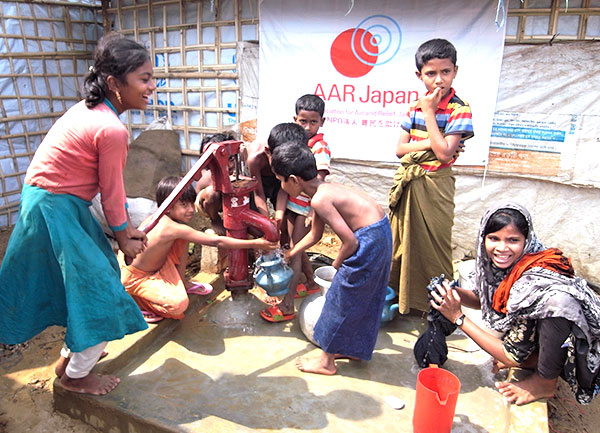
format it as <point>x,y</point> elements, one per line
<point>81,363</point>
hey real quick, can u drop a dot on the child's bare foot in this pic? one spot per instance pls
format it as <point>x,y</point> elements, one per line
<point>61,364</point>
<point>351,358</point>
<point>497,366</point>
<point>271,300</point>
<point>530,389</point>
<point>95,384</point>
<point>529,364</point>
<point>287,305</point>
<point>274,314</point>
<point>312,287</point>
<point>323,364</point>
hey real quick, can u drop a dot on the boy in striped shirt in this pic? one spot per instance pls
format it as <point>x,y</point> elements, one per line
<point>422,197</point>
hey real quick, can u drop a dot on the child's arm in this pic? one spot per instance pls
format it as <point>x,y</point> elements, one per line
<point>182,231</point>
<point>405,146</point>
<point>322,159</point>
<point>444,147</point>
<point>312,237</point>
<point>447,301</point>
<point>204,181</point>
<point>260,200</point>
<point>280,206</point>
<point>131,240</point>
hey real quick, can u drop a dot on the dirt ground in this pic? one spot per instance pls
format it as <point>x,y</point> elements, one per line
<point>27,374</point>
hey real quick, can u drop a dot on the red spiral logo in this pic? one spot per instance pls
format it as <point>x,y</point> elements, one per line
<point>375,41</point>
<point>343,58</point>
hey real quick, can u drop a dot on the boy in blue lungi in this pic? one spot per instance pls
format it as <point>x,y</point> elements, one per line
<point>351,314</point>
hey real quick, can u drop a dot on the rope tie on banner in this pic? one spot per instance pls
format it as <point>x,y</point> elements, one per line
<point>485,169</point>
<point>500,14</point>
<point>351,6</point>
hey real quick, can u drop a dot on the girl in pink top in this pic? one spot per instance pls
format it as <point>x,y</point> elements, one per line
<point>59,268</point>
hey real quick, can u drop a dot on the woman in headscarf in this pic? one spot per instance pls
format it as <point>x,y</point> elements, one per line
<point>550,318</point>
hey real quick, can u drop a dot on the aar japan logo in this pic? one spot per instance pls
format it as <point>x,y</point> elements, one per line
<point>374,42</point>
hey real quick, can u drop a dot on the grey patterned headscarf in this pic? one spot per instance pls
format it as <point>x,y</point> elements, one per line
<point>541,293</point>
<point>487,276</point>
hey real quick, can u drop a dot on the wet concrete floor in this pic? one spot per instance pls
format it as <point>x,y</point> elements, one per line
<point>224,369</point>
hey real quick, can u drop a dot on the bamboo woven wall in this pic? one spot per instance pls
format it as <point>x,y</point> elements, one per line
<point>547,21</point>
<point>45,48</point>
<point>193,44</point>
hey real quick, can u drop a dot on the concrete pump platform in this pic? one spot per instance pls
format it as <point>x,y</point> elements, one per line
<point>224,369</point>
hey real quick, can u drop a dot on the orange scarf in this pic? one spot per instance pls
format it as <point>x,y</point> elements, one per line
<point>551,259</point>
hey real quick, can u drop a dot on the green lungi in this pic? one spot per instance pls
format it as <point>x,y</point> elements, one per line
<point>421,215</point>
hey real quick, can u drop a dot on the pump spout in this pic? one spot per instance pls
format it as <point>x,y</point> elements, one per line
<point>237,277</point>
<point>258,221</point>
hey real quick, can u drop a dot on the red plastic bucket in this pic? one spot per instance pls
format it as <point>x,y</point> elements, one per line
<point>435,400</point>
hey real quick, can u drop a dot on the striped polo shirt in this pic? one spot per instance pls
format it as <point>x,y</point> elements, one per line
<point>320,149</point>
<point>453,116</point>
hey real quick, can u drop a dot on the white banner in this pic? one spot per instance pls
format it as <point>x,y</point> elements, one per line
<point>359,57</point>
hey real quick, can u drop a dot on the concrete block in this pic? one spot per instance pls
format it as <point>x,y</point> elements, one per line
<point>214,259</point>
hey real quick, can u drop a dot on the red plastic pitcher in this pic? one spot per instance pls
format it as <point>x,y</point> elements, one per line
<point>435,400</point>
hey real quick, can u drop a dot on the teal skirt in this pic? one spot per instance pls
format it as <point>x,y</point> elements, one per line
<point>59,269</point>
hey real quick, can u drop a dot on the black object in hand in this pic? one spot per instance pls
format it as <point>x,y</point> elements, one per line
<point>439,280</point>
<point>430,347</point>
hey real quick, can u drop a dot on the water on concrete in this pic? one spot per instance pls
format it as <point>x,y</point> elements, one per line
<point>224,369</point>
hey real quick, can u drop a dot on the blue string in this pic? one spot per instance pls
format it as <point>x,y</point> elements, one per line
<point>500,10</point>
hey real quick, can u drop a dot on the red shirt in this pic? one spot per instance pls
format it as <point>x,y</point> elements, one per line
<point>85,153</point>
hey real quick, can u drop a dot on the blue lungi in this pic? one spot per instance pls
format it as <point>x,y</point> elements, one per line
<point>351,315</point>
<point>59,269</point>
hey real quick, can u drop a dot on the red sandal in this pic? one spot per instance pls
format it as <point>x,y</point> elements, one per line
<point>302,291</point>
<point>274,315</point>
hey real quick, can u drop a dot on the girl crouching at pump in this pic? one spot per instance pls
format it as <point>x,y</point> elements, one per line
<point>550,318</point>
